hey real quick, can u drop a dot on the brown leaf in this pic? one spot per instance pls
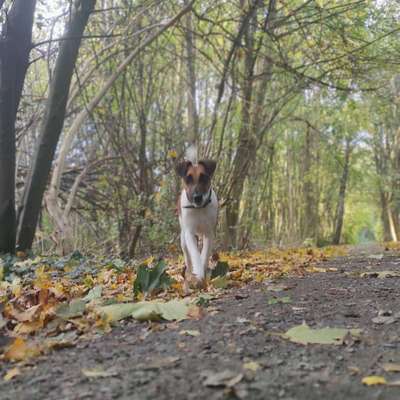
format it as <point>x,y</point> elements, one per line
<point>27,315</point>
<point>391,367</point>
<point>20,350</point>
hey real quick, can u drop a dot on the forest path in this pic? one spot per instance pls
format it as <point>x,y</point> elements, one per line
<point>234,340</point>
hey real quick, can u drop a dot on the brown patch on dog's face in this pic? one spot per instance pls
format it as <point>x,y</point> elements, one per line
<point>196,179</point>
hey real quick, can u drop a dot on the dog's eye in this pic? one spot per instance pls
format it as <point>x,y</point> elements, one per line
<point>189,179</point>
<point>203,178</point>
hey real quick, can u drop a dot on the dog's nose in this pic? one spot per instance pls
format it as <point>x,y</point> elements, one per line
<point>197,198</point>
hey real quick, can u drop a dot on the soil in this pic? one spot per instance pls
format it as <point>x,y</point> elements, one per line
<point>156,361</point>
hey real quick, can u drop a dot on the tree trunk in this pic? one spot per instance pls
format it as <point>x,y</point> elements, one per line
<point>52,124</point>
<point>193,119</point>
<point>250,133</point>
<point>342,194</point>
<point>247,142</point>
<point>387,236</point>
<point>15,47</point>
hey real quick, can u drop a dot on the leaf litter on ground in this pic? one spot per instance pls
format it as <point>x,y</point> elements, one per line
<point>49,296</point>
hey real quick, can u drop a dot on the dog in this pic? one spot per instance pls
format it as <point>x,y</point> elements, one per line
<point>197,211</point>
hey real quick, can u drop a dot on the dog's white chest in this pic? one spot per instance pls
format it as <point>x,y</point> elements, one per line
<point>199,221</point>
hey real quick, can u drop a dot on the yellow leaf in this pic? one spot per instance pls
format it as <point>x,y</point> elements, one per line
<point>12,373</point>
<point>172,154</point>
<point>20,350</point>
<point>252,366</point>
<point>374,380</point>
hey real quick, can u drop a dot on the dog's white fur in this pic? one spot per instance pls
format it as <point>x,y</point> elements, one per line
<point>197,223</point>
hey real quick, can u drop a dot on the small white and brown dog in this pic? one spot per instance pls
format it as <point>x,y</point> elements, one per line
<point>197,210</point>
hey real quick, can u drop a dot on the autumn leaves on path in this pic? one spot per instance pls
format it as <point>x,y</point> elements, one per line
<point>288,324</point>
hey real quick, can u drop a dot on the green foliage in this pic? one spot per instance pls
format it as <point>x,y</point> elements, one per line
<point>221,269</point>
<point>150,279</point>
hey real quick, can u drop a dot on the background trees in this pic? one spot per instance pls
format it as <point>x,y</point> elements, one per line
<point>297,100</point>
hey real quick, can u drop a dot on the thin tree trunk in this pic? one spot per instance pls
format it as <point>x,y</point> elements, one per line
<point>247,142</point>
<point>387,235</point>
<point>193,119</point>
<point>15,47</point>
<point>342,194</point>
<point>52,124</point>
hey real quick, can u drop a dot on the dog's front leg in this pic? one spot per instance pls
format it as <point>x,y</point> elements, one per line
<point>188,261</point>
<point>206,251</point>
<point>195,258</point>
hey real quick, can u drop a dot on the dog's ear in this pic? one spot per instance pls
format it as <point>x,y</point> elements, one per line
<point>182,167</point>
<point>209,166</point>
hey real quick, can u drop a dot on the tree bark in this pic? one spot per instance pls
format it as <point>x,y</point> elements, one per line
<point>15,47</point>
<point>247,142</point>
<point>250,133</point>
<point>52,124</point>
<point>342,194</point>
<point>193,119</point>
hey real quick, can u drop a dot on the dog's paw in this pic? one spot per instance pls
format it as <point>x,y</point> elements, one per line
<point>193,283</point>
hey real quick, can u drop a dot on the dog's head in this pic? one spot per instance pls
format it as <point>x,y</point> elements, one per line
<point>197,180</point>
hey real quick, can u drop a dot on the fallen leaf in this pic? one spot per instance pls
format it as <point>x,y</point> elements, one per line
<point>225,378</point>
<point>20,350</point>
<point>174,310</point>
<point>380,274</point>
<point>384,320</point>
<point>391,367</point>
<point>220,282</point>
<point>196,312</point>
<point>75,308</point>
<point>94,373</point>
<point>277,287</point>
<point>159,363</point>
<point>116,312</point>
<point>147,310</point>
<point>373,380</point>
<point>283,300</point>
<point>94,293</point>
<point>27,315</point>
<point>12,373</point>
<point>26,328</point>
<point>252,366</point>
<point>189,333</point>
<point>303,334</point>
<point>354,370</point>
<point>63,340</point>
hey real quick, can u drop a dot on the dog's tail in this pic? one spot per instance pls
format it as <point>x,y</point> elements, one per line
<point>191,153</point>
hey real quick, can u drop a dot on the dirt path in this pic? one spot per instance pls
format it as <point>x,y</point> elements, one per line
<point>164,364</point>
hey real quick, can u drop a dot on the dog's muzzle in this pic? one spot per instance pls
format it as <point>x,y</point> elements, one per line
<point>198,200</point>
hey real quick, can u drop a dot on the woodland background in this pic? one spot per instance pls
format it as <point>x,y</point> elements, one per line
<point>297,100</point>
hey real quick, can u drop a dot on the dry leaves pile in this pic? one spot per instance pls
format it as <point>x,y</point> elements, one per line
<point>49,302</point>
